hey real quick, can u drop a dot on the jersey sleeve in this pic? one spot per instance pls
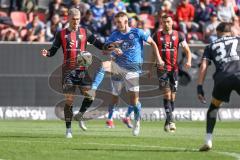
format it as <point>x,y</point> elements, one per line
<point>181,37</point>
<point>207,55</point>
<point>55,45</point>
<point>143,36</point>
<point>155,37</point>
<point>91,38</point>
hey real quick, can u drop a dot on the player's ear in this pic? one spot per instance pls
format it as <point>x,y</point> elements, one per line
<point>126,21</point>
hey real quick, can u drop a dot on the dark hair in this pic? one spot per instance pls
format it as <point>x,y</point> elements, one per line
<point>164,16</point>
<point>121,14</point>
<point>224,27</point>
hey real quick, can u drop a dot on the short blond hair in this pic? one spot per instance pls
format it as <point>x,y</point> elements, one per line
<point>74,12</point>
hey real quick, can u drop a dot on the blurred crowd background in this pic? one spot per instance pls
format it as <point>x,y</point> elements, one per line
<point>39,20</point>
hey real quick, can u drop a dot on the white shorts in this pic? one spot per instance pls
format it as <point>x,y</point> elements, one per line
<point>130,80</point>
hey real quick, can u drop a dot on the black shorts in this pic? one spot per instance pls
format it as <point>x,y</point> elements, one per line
<point>223,89</point>
<point>168,80</point>
<point>75,78</point>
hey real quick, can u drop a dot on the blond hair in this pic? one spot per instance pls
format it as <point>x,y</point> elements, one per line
<point>74,12</point>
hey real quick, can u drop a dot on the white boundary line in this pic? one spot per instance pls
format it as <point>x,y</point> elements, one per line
<point>230,154</point>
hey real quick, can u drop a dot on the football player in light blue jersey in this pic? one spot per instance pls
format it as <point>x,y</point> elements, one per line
<point>127,64</point>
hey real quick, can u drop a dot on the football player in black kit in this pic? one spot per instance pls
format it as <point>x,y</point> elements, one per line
<point>225,54</point>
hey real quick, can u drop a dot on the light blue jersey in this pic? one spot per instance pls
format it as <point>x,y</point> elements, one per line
<point>132,47</point>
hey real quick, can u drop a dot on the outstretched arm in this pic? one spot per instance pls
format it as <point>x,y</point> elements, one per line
<point>108,47</point>
<point>53,50</point>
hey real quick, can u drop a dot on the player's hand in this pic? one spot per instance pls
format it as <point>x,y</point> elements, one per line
<point>118,51</point>
<point>162,63</point>
<point>44,52</point>
<point>200,93</point>
<point>188,65</point>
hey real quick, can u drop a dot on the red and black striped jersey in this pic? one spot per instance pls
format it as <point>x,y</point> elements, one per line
<point>80,37</point>
<point>168,45</point>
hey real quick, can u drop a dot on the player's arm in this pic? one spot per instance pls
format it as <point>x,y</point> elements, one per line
<point>206,60</point>
<point>155,51</point>
<point>91,38</point>
<point>187,51</point>
<point>201,79</point>
<point>152,60</point>
<point>55,46</point>
<point>202,71</point>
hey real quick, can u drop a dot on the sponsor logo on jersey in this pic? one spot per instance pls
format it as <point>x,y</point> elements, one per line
<point>80,36</point>
<point>131,36</point>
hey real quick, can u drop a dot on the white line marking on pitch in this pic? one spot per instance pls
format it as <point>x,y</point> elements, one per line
<point>142,146</point>
<point>234,155</point>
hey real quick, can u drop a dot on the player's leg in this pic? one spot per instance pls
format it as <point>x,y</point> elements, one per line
<point>68,90</point>
<point>165,88</point>
<point>168,109</point>
<point>85,85</point>
<point>131,80</point>
<point>173,86</point>
<point>116,84</point>
<point>86,103</point>
<point>221,93</point>
<point>211,121</point>
<point>127,119</point>
<point>134,102</point>
<point>111,109</point>
<point>98,78</point>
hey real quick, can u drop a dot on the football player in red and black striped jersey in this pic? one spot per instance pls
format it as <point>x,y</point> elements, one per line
<point>168,42</point>
<point>73,40</point>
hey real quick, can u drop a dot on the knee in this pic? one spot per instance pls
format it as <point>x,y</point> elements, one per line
<point>69,100</point>
<point>216,102</point>
<point>89,94</point>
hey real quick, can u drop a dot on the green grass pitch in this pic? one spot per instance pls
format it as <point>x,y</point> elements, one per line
<point>45,140</point>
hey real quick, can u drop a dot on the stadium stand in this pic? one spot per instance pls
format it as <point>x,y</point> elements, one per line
<point>15,14</point>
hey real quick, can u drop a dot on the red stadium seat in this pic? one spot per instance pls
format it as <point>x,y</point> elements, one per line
<point>149,18</point>
<point>19,19</point>
<point>41,16</point>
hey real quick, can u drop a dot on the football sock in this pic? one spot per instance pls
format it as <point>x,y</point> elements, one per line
<point>211,117</point>
<point>137,111</point>
<point>168,111</point>
<point>68,113</point>
<point>129,111</point>
<point>111,109</point>
<point>172,105</point>
<point>98,78</point>
<point>85,105</point>
<point>208,139</point>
